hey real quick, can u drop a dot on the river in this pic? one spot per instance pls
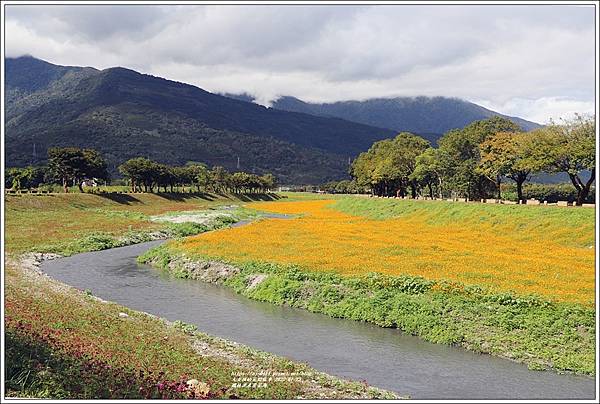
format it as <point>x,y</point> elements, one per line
<point>383,357</point>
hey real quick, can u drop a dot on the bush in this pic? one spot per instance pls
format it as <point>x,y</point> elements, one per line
<point>546,192</point>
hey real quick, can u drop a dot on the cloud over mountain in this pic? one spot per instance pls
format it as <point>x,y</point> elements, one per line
<point>533,61</point>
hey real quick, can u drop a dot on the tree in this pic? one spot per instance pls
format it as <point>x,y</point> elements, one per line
<point>268,182</point>
<point>95,167</point>
<point>65,163</point>
<point>140,171</point>
<point>386,167</point>
<point>24,178</point>
<point>164,176</point>
<point>509,154</point>
<point>432,168</point>
<point>239,181</point>
<point>409,147</point>
<point>72,165</point>
<point>197,174</point>
<point>461,146</point>
<point>570,147</point>
<point>219,178</point>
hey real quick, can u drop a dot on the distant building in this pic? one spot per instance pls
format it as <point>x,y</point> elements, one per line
<point>89,183</point>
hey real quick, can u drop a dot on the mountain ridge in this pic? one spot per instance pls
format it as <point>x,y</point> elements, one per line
<point>124,113</point>
<point>429,117</point>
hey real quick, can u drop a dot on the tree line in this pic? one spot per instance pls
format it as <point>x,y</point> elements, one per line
<point>72,166</point>
<point>146,174</point>
<point>474,161</point>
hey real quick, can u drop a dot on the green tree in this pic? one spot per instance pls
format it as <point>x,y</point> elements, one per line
<point>387,166</point>
<point>461,146</point>
<point>95,167</point>
<point>432,169</point>
<point>72,165</point>
<point>197,174</point>
<point>219,179</point>
<point>509,154</point>
<point>268,182</point>
<point>240,181</point>
<point>140,171</point>
<point>570,147</point>
<point>24,178</point>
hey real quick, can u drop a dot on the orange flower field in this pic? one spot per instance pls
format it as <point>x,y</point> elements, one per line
<point>324,239</point>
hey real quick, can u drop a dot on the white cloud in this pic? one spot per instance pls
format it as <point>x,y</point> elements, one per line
<point>530,61</point>
<point>544,109</point>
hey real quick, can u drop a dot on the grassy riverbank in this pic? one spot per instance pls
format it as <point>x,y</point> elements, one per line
<point>69,223</point>
<point>65,343</point>
<point>512,281</point>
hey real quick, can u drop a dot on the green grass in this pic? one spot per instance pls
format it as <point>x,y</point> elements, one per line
<point>75,222</point>
<point>573,226</point>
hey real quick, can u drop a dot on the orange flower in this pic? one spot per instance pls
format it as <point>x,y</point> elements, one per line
<point>323,239</point>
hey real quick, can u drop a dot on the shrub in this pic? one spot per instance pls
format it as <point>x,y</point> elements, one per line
<point>546,192</point>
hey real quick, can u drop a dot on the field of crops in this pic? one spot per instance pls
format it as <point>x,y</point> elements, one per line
<point>528,250</point>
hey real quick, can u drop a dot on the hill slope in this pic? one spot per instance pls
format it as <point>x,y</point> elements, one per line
<point>428,116</point>
<point>123,114</point>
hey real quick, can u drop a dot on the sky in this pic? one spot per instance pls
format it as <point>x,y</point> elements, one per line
<point>535,62</point>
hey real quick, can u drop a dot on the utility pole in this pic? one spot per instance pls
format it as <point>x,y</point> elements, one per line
<point>34,153</point>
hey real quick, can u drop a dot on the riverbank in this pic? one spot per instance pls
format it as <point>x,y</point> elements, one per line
<point>66,343</point>
<point>536,329</point>
<point>70,223</point>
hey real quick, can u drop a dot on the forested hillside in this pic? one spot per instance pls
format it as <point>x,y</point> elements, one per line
<point>124,114</point>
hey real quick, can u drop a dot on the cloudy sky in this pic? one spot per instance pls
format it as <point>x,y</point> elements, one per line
<point>536,62</point>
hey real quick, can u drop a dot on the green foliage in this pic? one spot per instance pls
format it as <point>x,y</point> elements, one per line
<point>72,165</point>
<point>432,168</point>
<point>24,178</point>
<point>387,166</point>
<point>569,147</point>
<point>461,146</point>
<point>191,228</point>
<point>509,154</point>
<point>546,192</point>
<point>185,327</point>
<point>96,241</point>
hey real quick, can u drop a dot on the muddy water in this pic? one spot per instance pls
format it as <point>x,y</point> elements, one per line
<point>383,357</point>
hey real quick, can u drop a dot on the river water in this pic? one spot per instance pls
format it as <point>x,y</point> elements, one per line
<point>383,357</point>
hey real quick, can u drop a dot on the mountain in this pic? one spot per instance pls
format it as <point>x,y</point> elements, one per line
<point>429,117</point>
<point>240,97</point>
<point>124,114</point>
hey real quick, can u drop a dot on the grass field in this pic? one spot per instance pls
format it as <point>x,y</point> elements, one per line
<point>64,343</point>
<point>545,251</point>
<point>54,223</point>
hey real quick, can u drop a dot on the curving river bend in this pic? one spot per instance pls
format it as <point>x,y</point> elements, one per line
<point>360,351</point>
